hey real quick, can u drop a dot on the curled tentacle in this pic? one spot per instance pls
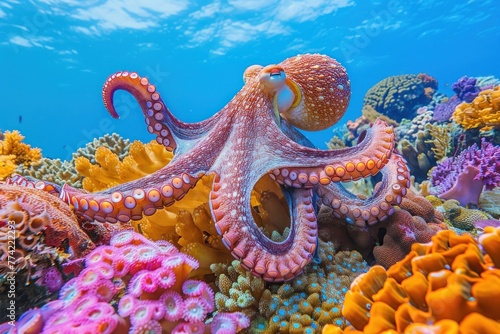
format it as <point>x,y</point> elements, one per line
<point>274,261</point>
<point>394,185</point>
<point>159,120</point>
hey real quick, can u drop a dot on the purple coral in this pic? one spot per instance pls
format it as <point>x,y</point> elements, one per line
<point>464,177</point>
<point>466,89</point>
<point>443,111</point>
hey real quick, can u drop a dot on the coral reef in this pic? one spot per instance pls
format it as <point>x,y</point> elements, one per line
<point>14,152</point>
<point>466,89</point>
<point>440,140</point>
<point>389,241</point>
<point>302,305</point>
<point>61,172</point>
<point>400,96</point>
<point>444,111</point>
<point>111,169</point>
<point>52,170</point>
<point>488,201</point>
<point>460,217</point>
<point>445,286</point>
<point>362,123</point>
<point>149,284</point>
<point>419,154</point>
<point>409,129</point>
<point>114,142</point>
<point>464,177</point>
<point>483,112</point>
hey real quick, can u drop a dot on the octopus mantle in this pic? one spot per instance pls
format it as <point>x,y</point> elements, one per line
<point>254,135</point>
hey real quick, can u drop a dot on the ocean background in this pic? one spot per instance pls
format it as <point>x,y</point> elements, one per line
<point>55,55</point>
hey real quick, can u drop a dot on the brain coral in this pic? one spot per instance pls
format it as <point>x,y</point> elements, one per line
<point>400,96</point>
<point>446,286</point>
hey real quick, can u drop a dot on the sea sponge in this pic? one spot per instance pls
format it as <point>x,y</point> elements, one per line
<point>14,152</point>
<point>448,283</point>
<point>482,112</point>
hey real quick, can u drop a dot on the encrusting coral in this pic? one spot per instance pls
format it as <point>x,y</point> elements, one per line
<point>132,285</point>
<point>14,152</point>
<point>483,112</point>
<point>460,217</point>
<point>446,286</point>
<point>302,305</point>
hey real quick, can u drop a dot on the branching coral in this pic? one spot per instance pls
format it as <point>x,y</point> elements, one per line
<point>483,112</point>
<point>440,140</point>
<point>446,286</point>
<point>14,152</point>
<point>303,305</point>
<point>463,178</point>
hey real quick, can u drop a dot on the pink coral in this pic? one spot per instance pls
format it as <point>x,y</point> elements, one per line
<point>147,280</point>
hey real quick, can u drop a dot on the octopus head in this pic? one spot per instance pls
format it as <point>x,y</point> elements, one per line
<point>310,91</point>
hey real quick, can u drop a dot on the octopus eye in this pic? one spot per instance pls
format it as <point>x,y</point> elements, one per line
<point>275,72</point>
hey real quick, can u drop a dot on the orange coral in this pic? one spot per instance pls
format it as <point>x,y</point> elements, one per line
<point>446,286</point>
<point>14,152</point>
<point>483,112</point>
<point>38,213</point>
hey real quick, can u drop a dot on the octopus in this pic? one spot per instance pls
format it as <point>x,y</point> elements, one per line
<point>256,135</point>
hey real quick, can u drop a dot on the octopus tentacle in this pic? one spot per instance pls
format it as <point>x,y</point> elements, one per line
<point>130,200</point>
<point>271,260</point>
<point>353,163</point>
<point>394,185</point>
<point>160,121</point>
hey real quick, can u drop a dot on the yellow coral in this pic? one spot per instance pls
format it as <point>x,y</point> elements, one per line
<point>110,171</point>
<point>14,152</point>
<point>440,139</point>
<point>446,286</point>
<point>7,165</point>
<point>483,112</point>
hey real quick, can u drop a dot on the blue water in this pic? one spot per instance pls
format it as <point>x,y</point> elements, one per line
<point>55,55</point>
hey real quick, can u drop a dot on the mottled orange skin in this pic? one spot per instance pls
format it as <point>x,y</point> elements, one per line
<point>248,139</point>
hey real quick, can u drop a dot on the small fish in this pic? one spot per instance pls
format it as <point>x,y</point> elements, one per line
<point>20,118</point>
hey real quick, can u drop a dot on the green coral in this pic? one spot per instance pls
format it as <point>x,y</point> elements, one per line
<point>460,217</point>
